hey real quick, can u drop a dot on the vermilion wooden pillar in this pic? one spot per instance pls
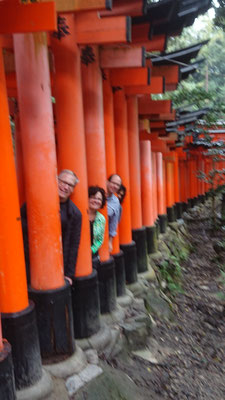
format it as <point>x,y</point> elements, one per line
<point>72,155</point>
<point>122,162</point>
<point>40,161</point>
<point>192,170</point>
<point>18,317</point>
<point>178,205</point>
<point>170,190</point>
<point>183,183</point>
<point>147,194</point>
<point>138,231</point>
<point>110,153</point>
<point>42,199</point>
<point>160,193</point>
<point>96,163</point>
<point>19,159</point>
<point>154,186</point>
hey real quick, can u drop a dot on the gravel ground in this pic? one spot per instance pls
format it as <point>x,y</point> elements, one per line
<point>191,349</point>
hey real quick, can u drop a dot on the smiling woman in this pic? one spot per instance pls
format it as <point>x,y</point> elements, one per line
<point>96,201</point>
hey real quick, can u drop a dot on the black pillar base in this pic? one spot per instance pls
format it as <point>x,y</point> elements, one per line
<point>191,203</point>
<point>151,239</point>
<point>7,381</point>
<point>139,237</point>
<point>130,258</point>
<point>171,214</point>
<point>162,223</point>
<point>86,306</point>
<point>107,286</point>
<point>120,274</point>
<point>179,210</point>
<point>54,321</point>
<point>20,329</point>
<point>200,196</point>
<point>195,199</point>
<point>184,207</point>
<point>157,227</point>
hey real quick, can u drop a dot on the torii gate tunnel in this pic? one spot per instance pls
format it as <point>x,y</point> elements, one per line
<point>76,83</point>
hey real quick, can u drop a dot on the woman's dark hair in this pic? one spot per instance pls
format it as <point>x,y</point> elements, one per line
<point>124,191</point>
<point>92,190</point>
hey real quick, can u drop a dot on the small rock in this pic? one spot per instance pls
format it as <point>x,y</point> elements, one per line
<point>146,355</point>
<point>203,287</point>
<point>90,372</point>
<point>92,356</point>
<point>73,384</point>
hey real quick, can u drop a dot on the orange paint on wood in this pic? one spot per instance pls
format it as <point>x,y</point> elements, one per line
<point>156,86</point>
<point>183,180</point>
<point>176,178</point>
<point>122,57</point>
<point>170,72</point>
<point>19,159</point>
<point>122,162</point>
<point>90,28</point>
<point>110,151</point>
<point>13,286</point>
<point>38,143</point>
<point>148,106</point>
<point>64,6</point>
<point>169,183</point>
<point>134,162</point>
<point>160,186</point>
<point>129,76</point>
<point>71,149</point>
<point>164,116</point>
<point>146,183</point>
<point>154,186</point>
<point>94,132</point>
<point>6,41</point>
<point>32,17</point>
<point>140,32</point>
<point>169,87</point>
<point>125,7</point>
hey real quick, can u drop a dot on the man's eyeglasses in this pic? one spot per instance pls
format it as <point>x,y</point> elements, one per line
<point>116,184</point>
<point>66,183</point>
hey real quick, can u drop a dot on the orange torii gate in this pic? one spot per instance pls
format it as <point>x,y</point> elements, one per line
<point>18,315</point>
<point>97,135</point>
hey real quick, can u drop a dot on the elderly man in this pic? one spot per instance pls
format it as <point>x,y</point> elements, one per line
<point>70,224</point>
<point>70,221</point>
<point>113,206</point>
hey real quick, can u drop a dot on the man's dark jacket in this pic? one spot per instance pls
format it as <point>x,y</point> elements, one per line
<point>71,227</point>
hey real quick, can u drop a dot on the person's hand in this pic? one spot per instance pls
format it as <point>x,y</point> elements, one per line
<point>110,245</point>
<point>69,280</point>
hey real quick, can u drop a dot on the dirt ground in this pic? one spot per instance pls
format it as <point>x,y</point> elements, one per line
<point>191,349</point>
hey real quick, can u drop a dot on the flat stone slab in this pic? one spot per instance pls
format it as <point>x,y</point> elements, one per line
<point>75,382</point>
<point>72,365</point>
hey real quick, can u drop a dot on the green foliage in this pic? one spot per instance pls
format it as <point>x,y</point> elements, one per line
<point>206,87</point>
<point>170,275</point>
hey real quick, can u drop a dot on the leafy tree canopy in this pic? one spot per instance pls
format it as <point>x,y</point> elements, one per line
<point>206,87</point>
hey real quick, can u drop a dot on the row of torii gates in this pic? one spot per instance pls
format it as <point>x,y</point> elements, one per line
<point>103,122</point>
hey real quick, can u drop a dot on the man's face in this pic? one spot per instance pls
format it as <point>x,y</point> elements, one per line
<point>66,184</point>
<point>113,185</point>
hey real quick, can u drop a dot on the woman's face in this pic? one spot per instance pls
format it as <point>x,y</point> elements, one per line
<point>95,201</point>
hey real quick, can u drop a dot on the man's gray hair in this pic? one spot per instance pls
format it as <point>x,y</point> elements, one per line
<point>69,172</point>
